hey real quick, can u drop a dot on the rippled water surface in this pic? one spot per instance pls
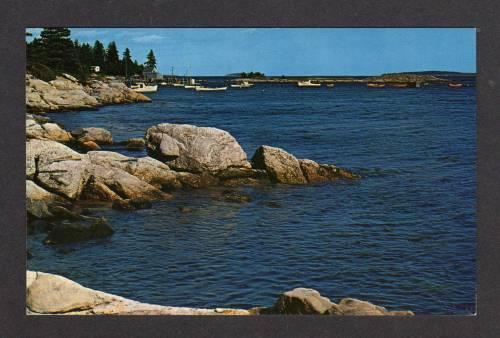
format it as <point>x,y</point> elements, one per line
<point>402,237</point>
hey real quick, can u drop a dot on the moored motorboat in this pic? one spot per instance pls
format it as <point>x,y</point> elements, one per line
<point>308,83</point>
<point>163,83</point>
<point>330,85</point>
<point>455,85</point>
<point>398,85</point>
<point>191,86</point>
<point>209,89</point>
<point>141,87</point>
<point>244,84</point>
<point>375,85</point>
<point>178,84</point>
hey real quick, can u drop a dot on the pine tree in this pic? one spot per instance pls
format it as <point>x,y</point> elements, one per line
<point>127,63</point>
<point>98,54</point>
<point>58,50</point>
<point>112,61</point>
<point>151,60</point>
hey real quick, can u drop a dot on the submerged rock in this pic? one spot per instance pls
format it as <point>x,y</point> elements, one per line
<point>136,143</point>
<point>233,196</point>
<point>195,149</point>
<point>97,135</point>
<point>85,229</point>
<point>281,166</point>
<point>132,204</point>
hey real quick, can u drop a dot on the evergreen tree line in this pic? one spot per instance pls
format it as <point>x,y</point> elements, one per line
<point>54,52</point>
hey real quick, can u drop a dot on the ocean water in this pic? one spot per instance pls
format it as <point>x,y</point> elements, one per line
<point>402,237</point>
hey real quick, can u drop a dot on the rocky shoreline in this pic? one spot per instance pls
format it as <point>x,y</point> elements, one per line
<point>55,295</point>
<point>66,93</point>
<point>65,169</point>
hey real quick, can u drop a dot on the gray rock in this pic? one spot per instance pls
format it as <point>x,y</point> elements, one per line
<point>136,143</point>
<point>315,172</point>
<point>52,294</point>
<point>47,293</point>
<point>46,131</point>
<point>281,166</point>
<point>97,135</point>
<point>85,229</point>
<point>195,149</point>
<point>302,301</point>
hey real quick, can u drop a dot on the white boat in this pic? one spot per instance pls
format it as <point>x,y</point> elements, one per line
<point>141,87</point>
<point>308,83</point>
<point>210,89</point>
<point>244,84</point>
<point>330,85</point>
<point>163,83</point>
<point>178,84</point>
<point>191,86</point>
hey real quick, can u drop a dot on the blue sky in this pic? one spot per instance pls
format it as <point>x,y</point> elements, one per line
<point>294,51</point>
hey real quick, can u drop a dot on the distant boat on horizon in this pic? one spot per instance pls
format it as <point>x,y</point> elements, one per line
<point>209,89</point>
<point>308,83</point>
<point>244,84</point>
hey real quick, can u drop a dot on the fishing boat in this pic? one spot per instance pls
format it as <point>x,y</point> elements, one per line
<point>141,87</point>
<point>209,89</point>
<point>308,83</point>
<point>455,85</point>
<point>244,84</point>
<point>192,84</point>
<point>330,85</point>
<point>398,85</point>
<point>375,85</point>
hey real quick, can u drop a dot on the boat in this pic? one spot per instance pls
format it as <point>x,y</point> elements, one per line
<point>375,85</point>
<point>163,83</point>
<point>178,84</point>
<point>141,87</point>
<point>330,85</point>
<point>209,89</point>
<point>192,84</point>
<point>455,85</point>
<point>398,85</point>
<point>244,84</point>
<point>308,83</point>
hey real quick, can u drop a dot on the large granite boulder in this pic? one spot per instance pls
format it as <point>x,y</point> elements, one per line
<point>59,94</point>
<point>309,301</point>
<point>281,166</point>
<point>47,293</point>
<point>95,175</point>
<point>315,173</point>
<point>38,200</point>
<point>66,93</point>
<point>97,135</point>
<point>56,167</point>
<point>302,301</point>
<point>45,131</point>
<point>114,92</point>
<point>195,149</point>
<point>52,294</point>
